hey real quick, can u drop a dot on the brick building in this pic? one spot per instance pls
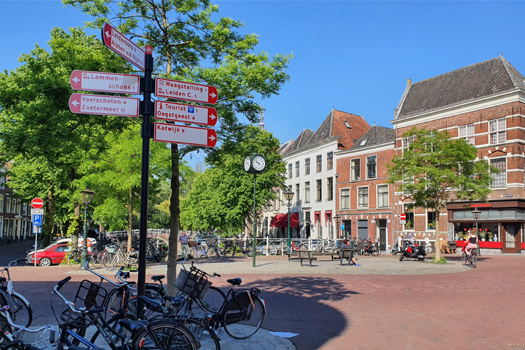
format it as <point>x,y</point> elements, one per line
<point>15,215</point>
<point>485,104</point>
<point>365,202</point>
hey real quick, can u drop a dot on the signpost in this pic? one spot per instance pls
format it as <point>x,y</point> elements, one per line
<point>126,48</point>
<point>105,82</point>
<point>37,213</point>
<point>37,203</point>
<point>181,90</point>
<point>185,134</point>
<point>104,105</point>
<point>178,112</point>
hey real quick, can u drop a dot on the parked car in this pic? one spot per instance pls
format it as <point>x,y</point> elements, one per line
<point>52,254</point>
<point>66,241</point>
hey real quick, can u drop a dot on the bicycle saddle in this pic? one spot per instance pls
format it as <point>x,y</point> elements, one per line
<point>175,301</point>
<point>157,278</point>
<point>151,304</point>
<point>234,281</point>
<point>133,326</point>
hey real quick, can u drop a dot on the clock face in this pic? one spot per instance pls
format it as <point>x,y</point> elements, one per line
<point>259,163</point>
<point>247,163</point>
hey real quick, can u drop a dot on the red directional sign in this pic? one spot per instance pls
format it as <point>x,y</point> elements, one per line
<point>126,48</point>
<point>185,134</point>
<point>178,112</point>
<point>105,82</point>
<point>181,90</point>
<point>402,216</point>
<point>104,105</point>
<point>37,203</point>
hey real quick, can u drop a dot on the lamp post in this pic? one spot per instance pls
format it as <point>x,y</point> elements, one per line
<point>87,195</point>
<point>337,219</point>
<point>288,195</point>
<point>476,213</point>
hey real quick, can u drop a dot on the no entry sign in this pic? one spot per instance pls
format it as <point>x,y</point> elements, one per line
<point>185,134</point>
<point>126,48</point>
<point>105,82</point>
<point>181,90</point>
<point>104,105</point>
<point>178,112</point>
<point>403,216</point>
<point>37,203</point>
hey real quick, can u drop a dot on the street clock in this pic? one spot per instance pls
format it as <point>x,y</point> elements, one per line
<point>255,163</point>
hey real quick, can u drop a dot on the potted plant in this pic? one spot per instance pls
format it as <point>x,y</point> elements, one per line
<point>490,236</point>
<point>432,225</point>
<point>482,235</point>
<point>409,225</point>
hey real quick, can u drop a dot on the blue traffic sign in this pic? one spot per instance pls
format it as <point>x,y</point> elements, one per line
<point>37,219</point>
<point>342,226</point>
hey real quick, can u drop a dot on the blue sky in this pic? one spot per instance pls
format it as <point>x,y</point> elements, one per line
<point>355,56</point>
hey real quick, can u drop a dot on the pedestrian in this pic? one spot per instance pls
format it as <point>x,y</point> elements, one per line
<point>183,239</point>
<point>346,245</point>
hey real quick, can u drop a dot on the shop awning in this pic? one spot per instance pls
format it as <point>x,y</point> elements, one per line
<point>281,220</point>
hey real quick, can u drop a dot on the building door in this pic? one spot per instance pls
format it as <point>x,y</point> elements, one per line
<point>347,233</point>
<point>362,229</point>
<point>511,238</point>
<point>381,227</point>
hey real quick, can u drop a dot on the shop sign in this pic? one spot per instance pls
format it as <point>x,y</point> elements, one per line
<point>481,205</point>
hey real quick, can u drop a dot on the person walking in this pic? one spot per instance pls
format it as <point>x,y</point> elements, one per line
<point>183,239</point>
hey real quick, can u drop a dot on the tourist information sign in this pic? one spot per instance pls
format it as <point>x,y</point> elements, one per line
<point>178,112</point>
<point>105,82</point>
<point>185,134</point>
<point>126,48</point>
<point>104,105</point>
<point>181,90</point>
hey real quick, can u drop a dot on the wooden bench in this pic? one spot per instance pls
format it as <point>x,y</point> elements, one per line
<point>312,255</point>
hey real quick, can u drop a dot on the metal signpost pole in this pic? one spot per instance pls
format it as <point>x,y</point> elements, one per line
<point>254,248</point>
<point>147,109</point>
<point>35,229</point>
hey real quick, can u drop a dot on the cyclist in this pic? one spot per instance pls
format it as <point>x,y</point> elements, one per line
<point>472,242</point>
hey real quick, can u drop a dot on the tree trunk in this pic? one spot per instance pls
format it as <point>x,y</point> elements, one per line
<point>130,218</point>
<point>174,220</point>
<point>437,256</point>
<point>47,229</point>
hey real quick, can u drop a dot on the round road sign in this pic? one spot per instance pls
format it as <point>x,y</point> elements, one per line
<point>403,216</point>
<point>37,203</point>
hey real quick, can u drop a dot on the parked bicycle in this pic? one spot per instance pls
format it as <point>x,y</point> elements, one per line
<point>470,260</point>
<point>19,308</point>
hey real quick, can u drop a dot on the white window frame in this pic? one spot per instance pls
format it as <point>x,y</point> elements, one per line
<point>341,197</point>
<point>8,205</point>
<point>413,217</point>
<point>329,192</point>
<point>375,167</point>
<point>307,193</point>
<point>387,196</point>
<point>318,196</point>
<point>352,177</point>
<point>502,176</point>
<point>468,133</point>
<point>290,165</point>
<point>297,193</point>
<point>359,205</point>
<point>497,131</point>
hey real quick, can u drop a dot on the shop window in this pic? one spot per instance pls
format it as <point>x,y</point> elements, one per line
<point>499,180</point>
<point>382,196</point>
<point>296,169</point>
<point>345,198</point>
<point>497,131</point>
<point>362,197</point>
<point>330,160</point>
<point>319,190</point>
<point>290,170</point>
<point>431,218</point>
<point>330,189</point>
<point>307,192</point>
<point>355,169</point>
<point>371,167</point>
<point>408,209</point>
<point>319,163</point>
<point>467,132</point>
<point>307,166</point>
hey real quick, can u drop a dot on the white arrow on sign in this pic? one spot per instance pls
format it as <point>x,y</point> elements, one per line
<point>126,48</point>
<point>185,134</point>
<point>105,82</point>
<point>104,105</point>
<point>178,112</point>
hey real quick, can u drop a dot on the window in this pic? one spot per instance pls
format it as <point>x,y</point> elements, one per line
<point>307,166</point>
<point>307,192</point>
<point>467,132</point>
<point>345,198</point>
<point>363,197</point>
<point>355,169</point>
<point>319,163</point>
<point>277,205</point>
<point>296,169</point>
<point>431,218</point>
<point>319,190</point>
<point>407,141</point>
<point>330,160</point>
<point>409,212</point>
<point>330,189</point>
<point>25,208</point>
<point>62,248</point>
<point>499,180</point>
<point>290,170</point>
<point>497,131</point>
<point>371,167</point>
<point>1,203</point>
<point>18,206</point>
<point>2,182</point>
<point>382,196</point>
<point>297,193</point>
<point>13,202</point>
<point>7,228</point>
<point>8,205</point>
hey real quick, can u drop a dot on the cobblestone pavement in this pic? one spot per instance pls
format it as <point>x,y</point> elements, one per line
<point>385,304</point>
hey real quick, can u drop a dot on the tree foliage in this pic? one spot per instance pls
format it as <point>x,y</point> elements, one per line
<point>435,170</point>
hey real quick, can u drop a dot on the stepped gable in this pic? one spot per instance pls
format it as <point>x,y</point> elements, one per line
<point>480,80</point>
<point>377,135</point>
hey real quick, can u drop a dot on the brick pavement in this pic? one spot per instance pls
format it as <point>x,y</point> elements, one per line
<point>456,307</point>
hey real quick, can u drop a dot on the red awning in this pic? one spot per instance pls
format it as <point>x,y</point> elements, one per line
<point>317,216</point>
<point>281,220</point>
<point>328,217</point>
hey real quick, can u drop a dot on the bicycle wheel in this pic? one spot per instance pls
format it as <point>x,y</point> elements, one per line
<point>212,301</point>
<point>164,335</point>
<point>284,250</point>
<point>193,253</point>
<point>242,324</point>
<point>474,260</point>
<point>302,247</point>
<point>376,251</point>
<point>114,303</point>
<point>464,259</point>
<point>272,250</point>
<point>24,313</point>
<point>211,252</point>
<point>206,336</point>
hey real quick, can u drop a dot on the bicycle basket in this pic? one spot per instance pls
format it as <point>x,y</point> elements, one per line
<point>193,284</point>
<point>111,249</point>
<point>211,241</point>
<point>90,295</point>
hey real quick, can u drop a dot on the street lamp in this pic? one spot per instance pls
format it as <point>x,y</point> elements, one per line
<point>337,219</point>
<point>476,213</point>
<point>87,195</point>
<point>288,195</point>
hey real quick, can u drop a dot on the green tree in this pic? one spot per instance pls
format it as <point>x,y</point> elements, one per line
<point>45,141</point>
<point>189,45</point>
<point>436,170</point>
<point>222,197</point>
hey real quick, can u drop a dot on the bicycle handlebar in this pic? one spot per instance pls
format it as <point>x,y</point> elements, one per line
<point>193,268</point>
<point>124,283</point>
<point>13,262</point>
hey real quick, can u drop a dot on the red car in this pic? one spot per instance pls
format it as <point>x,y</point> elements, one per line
<point>52,254</point>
